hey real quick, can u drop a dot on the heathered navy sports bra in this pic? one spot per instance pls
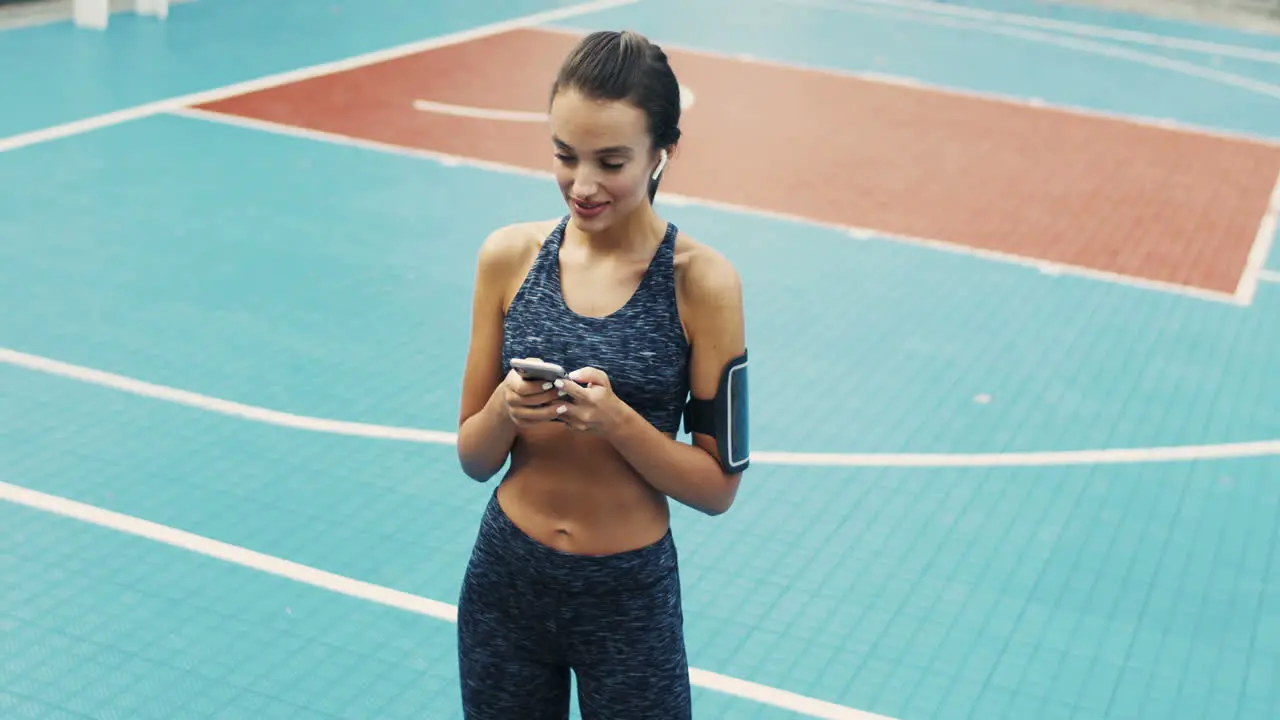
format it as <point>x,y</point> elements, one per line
<point>641,347</point>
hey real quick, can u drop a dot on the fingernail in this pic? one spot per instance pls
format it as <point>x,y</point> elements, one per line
<point>559,383</point>
<point>560,410</point>
<point>547,385</point>
<point>563,393</point>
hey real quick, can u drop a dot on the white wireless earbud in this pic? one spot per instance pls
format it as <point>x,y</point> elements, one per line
<point>661,164</point>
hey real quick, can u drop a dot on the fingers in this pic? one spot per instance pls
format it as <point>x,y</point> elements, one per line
<point>589,376</point>
<point>578,418</point>
<point>539,398</point>
<point>571,389</point>
<point>520,386</point>
<point>534,393</point>
<point>534,401</point>
<point>531,402</point>
<point>524,416</point>
<point>575,425</point>
<point>578,382</point>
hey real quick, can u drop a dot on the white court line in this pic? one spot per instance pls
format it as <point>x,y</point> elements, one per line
<point>1165,124</point>
<point>1111,456</point>
<point>224,407</point>
<point>1180,67</point>
<point>763,694</point>
<point>687,100</point>
<point>362,143</point>
<point>153,108</point>
<point>1262,241</point>
<point>1044,266</point>
<point>1243,52</point>
<point>1271,276</point>
<point>479,113</point>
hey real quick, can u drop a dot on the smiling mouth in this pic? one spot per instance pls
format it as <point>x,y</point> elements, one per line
<point>589,207</point>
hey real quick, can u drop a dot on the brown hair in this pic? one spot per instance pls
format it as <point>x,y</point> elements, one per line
<point>612,65</point>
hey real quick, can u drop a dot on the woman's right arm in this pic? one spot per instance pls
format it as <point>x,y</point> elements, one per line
<point>486,431</point>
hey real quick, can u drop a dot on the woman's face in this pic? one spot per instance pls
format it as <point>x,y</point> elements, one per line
<point>603,158</point>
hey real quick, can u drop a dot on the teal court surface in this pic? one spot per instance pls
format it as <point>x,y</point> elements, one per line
<point>988,482</point>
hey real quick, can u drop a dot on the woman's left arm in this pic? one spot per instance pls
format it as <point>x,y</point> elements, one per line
<point>691,474</point>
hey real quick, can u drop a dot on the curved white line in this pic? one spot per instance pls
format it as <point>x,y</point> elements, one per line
<point>116,117</point>
<point>478,112</point>
<point>435,437</point>
<point>225,407</point>
<point>382,595</point>
<point>687,100</point>
<point>1087,46</point>
<point>1242,52</point>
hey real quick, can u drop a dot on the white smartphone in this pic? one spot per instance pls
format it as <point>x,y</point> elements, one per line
<point>537,369</point>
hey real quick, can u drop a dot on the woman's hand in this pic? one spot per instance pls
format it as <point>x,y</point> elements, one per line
<point>594,408</point>
<point>528,402</point>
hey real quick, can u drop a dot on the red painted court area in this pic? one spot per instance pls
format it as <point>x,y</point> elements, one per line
<point>1158,204</point>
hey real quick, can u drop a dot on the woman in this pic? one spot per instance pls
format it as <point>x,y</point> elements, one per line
<point>575,566</point>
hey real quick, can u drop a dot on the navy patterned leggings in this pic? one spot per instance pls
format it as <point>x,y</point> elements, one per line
<point>528,613</point>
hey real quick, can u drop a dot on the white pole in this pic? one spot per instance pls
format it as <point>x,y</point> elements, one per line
<point>159,8</point>
<point>91,13</point>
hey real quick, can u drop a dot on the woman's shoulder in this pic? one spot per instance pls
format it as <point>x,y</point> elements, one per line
<point>704,275</point>
<point>513,247</point>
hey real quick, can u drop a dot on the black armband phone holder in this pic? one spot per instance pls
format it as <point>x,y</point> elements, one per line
<point>725,417</point>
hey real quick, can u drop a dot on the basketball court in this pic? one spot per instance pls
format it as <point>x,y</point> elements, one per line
<point>1013,307</point>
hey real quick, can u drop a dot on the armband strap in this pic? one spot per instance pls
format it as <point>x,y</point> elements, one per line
<point>725,417</point>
